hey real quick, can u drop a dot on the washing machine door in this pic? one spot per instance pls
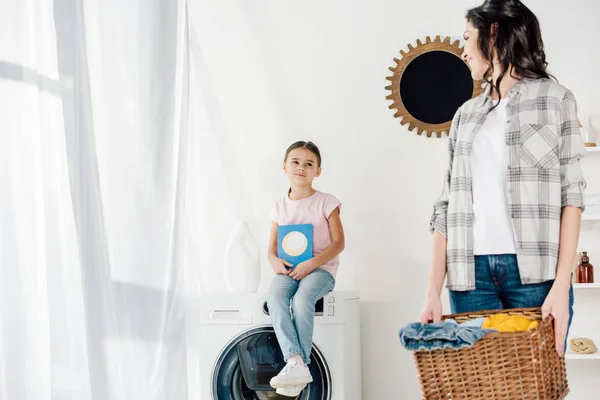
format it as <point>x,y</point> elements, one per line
<point>250,360</point>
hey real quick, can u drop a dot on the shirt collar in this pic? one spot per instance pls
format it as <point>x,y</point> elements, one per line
<point>520,88</point>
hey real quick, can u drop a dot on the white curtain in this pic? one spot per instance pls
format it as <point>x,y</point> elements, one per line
<point>98,225</point>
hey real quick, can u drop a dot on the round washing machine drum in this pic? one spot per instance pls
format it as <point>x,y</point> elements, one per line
<point>248,363</point>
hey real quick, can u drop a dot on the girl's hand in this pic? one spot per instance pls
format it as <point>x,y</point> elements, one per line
<point>279,266</point>
<point>432,310</point>
<point>302,270</point>
<point>557,305</point>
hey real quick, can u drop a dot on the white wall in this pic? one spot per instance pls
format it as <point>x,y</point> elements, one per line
<point>315,70</point>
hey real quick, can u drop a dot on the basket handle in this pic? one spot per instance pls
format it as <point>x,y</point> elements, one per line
<point>548,318</point>
<point>486,313</point>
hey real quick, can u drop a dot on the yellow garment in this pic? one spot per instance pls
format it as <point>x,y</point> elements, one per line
<point>509,323</point>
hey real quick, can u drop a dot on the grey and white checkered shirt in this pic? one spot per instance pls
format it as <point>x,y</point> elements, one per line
<point>543,175</point>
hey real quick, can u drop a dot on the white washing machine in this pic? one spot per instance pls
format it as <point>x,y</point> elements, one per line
<point>232,351</point>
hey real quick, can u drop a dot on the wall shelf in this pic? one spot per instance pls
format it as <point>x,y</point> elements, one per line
<point>586,286</point>
<point>592,149</point>
<point>571,355</point>
<point>590,217</point>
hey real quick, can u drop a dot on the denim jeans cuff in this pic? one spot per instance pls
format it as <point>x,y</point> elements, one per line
<point>295,351</point>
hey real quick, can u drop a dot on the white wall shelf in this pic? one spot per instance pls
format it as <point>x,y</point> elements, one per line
<point>586,286</point>
<point>582,369</point>
<point>571,355</point>
<point>590,217</point>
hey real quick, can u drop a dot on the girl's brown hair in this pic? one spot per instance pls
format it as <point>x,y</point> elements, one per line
<point>310,146</point>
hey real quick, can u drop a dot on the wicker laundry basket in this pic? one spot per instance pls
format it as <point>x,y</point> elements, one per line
<point>502,365</point>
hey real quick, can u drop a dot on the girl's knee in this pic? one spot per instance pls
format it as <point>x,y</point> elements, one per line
<point>303,303</point>
<point>278,299</point>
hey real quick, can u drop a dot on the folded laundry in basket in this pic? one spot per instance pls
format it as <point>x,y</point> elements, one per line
<point>441,335</point>
<point>476,322</point>
<point>503,322</point>
<point>583,346</point>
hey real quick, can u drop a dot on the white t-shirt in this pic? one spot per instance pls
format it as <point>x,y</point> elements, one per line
<point>492,225</point>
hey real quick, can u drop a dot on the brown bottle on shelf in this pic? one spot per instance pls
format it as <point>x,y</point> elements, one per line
<point>585,270</point>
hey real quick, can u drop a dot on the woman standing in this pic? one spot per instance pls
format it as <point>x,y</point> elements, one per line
<point>506,226</point>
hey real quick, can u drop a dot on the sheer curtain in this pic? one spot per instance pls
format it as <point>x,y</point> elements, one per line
<point>96,232</point>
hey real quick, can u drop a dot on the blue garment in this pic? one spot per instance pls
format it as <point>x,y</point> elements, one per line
<point>294,324</point>
<point>476,322</point>
<point>498,287</point>
<point>441,335</point>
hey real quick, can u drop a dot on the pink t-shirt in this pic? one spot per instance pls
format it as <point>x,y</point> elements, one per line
<point>314,210</point>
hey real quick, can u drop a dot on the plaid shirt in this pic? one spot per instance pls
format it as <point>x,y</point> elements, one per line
<point>543,175</point>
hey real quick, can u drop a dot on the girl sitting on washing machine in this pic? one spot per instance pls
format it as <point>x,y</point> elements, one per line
<point>297,287</point>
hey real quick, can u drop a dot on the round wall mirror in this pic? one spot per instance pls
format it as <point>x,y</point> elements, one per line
<point>428,85</point>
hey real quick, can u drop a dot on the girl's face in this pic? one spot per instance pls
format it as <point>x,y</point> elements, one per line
<point>301,167</point>
<point>471,53</point>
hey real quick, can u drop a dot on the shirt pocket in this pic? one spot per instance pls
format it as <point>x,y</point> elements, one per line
<point>539,146</point>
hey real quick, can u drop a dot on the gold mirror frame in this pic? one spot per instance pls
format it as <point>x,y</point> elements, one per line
<point>398,70</point>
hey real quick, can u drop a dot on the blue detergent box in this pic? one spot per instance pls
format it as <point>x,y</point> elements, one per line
<point>295,243</point>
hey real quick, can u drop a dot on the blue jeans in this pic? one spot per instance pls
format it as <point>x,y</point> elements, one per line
<point>293,324</point>
<point>498,286</point>
<point>441,335</point>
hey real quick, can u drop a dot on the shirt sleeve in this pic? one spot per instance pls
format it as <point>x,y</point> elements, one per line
<point>330,204</point>
<point>440,207</point>
<point>571,150</point>
<point>275,213</point>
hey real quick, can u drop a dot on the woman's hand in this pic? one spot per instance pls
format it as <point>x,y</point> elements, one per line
<point>432,310</point>
<point>557,305</point>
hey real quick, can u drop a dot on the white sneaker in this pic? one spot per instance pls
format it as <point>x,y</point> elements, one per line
<point>291,391</point>
<point>292,374</point>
